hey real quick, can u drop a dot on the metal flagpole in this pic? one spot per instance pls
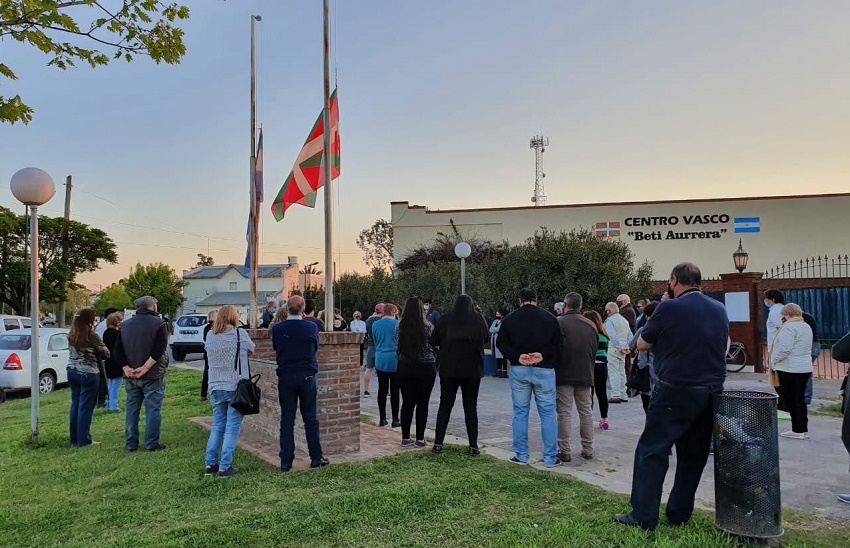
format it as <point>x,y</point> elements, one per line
<point>326,122</point>
<point>252,315</point>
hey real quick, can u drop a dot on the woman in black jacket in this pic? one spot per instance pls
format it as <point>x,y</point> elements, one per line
<point>461,335</point>
<point>114,372</point>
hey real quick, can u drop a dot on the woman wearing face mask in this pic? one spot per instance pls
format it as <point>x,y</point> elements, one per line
<point>790,357</point>
<point>501,362</point>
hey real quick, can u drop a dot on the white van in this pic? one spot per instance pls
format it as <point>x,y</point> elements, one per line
<point>10,323</point>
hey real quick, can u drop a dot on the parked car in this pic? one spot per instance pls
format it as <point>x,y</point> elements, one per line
<point>15,356</point>
<point>188,336</point>
<point>9,323</point>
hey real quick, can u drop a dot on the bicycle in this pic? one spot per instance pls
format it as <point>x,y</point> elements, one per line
<point>736,357</point>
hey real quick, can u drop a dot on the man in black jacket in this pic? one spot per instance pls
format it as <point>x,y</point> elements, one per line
<point>529,339</point>
<point>574,376</point>
<point>141,351</point>
<point>841,353</point>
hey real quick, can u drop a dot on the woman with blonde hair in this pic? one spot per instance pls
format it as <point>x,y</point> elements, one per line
<point>791,358</point>
<point>114,372</point>
<point>227,347</point>
<point>86,351</point>
<point>280,316</point>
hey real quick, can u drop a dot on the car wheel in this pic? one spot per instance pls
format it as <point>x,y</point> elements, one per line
<point>178,356</point>
<point>46,382</point>
<point>2,395</point>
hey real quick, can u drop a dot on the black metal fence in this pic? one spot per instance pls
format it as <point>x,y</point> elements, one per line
<point>814,267</point>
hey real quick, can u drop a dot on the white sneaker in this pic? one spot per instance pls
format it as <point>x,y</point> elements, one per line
<point>795,435</point>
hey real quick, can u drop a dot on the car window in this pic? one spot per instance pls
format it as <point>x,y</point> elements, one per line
<point>191,321</point>
<point>14,342</point>
<point>58,342</point>
<point>27,324</point>
<point>10,324</point>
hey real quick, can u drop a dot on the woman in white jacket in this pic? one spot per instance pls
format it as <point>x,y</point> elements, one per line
<point>791,358</point>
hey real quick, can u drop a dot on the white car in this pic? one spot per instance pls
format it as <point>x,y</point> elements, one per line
<point>15,357</point>
<point>10,323</point>
<point>188,336</point>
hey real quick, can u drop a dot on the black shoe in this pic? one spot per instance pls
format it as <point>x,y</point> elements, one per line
<point>629,521</point>
<point>229,473</point>
<point>473,451</point>
<point>159,447</point>
<point>210,470</point>
<point>437,449</point>
<point>131,450</point>
<point>319,463</point>
<point>366,394</point>
<point>285,469</point>
<point>396,424</point>
<point>383,422</point>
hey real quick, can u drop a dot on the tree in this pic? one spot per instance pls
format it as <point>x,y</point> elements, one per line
<point>311,269</point>
<point>552,264</point>
<point>137,27</point>
<point>442,250</point>
<point>159,281</point>
<point>204,260</point>
<point>87,248</point>
<point>377,242</point>
<point>114,296</point>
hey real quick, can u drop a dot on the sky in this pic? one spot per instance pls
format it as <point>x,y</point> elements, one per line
<point>438,100</point>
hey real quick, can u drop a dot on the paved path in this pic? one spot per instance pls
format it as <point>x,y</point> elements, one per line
<point>813,471</point>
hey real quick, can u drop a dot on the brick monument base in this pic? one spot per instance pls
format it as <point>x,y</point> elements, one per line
<point>338,393</point>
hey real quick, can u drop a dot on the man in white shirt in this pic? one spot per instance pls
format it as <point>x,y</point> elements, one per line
<point>774,300</point>
<point>618,347</point>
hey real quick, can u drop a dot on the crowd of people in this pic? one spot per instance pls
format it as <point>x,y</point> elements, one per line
<point>671,353</point>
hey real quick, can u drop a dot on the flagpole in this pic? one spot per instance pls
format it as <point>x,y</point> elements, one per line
<point>252,315</point>
<point>326,121</point>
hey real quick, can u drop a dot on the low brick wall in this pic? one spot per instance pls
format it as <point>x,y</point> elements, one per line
<point>338,393</point>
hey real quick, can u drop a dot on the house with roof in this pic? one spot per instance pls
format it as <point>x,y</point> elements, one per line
<point>211,287</point>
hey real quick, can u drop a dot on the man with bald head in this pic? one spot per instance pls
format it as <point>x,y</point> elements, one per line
<point>618,347</point>
<point>624,302</point>
<point>296,343</point>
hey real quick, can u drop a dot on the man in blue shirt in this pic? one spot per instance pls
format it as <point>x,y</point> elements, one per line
<point>296,343</point>
<point>689,336</point>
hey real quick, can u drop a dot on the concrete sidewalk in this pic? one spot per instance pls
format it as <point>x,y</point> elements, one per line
<point>812,472</point>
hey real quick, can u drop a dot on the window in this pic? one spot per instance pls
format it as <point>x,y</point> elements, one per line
<point>10,324</point>
<point>14,342</point>
<point>27,324</point>
<point>233,286</point>
<point>192,321</point>
<point>58,342</point>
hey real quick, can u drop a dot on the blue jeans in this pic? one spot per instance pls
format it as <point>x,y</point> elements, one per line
<point>293,389</point>
<point>681,416</point>
<point>85,389</point>
<point>151,393</point>
<point>540,382</point>
<point>224,435</point>
<point>114,391</point>
<point>810,390</point>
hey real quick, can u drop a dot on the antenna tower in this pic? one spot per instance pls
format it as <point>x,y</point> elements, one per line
<point>539,144</point>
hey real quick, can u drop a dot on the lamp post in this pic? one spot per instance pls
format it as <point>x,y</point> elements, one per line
<point>740,257</point>
<point>463,250</point>
<point>33,187</point>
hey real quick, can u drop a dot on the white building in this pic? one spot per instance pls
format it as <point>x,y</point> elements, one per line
<point>211,287</point>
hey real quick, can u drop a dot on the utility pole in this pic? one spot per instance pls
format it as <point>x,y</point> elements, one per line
<point>65,243</point>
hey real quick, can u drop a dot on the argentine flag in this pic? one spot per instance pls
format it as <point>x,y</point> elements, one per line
<point>745,225</point>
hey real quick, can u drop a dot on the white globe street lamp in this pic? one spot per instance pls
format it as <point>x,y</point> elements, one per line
<point>33,187</point>
<point>463,250</point>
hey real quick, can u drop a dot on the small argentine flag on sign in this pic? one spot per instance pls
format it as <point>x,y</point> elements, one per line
<point>747,224</point>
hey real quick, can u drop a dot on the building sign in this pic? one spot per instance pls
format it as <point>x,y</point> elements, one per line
<point>675,227</point>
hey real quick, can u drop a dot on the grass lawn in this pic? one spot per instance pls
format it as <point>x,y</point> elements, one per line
<point>99,495</point>
<point>831,410</point>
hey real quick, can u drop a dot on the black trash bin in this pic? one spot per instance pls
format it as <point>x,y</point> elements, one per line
<point>746,464</point>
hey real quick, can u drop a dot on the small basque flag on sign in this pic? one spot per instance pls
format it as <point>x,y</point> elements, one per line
<point>747,225</point>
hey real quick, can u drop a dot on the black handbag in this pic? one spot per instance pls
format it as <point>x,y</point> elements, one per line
<point>246,400</point>
<point>638,378</point>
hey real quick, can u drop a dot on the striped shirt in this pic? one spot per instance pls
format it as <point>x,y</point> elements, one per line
<point>221,354</point>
